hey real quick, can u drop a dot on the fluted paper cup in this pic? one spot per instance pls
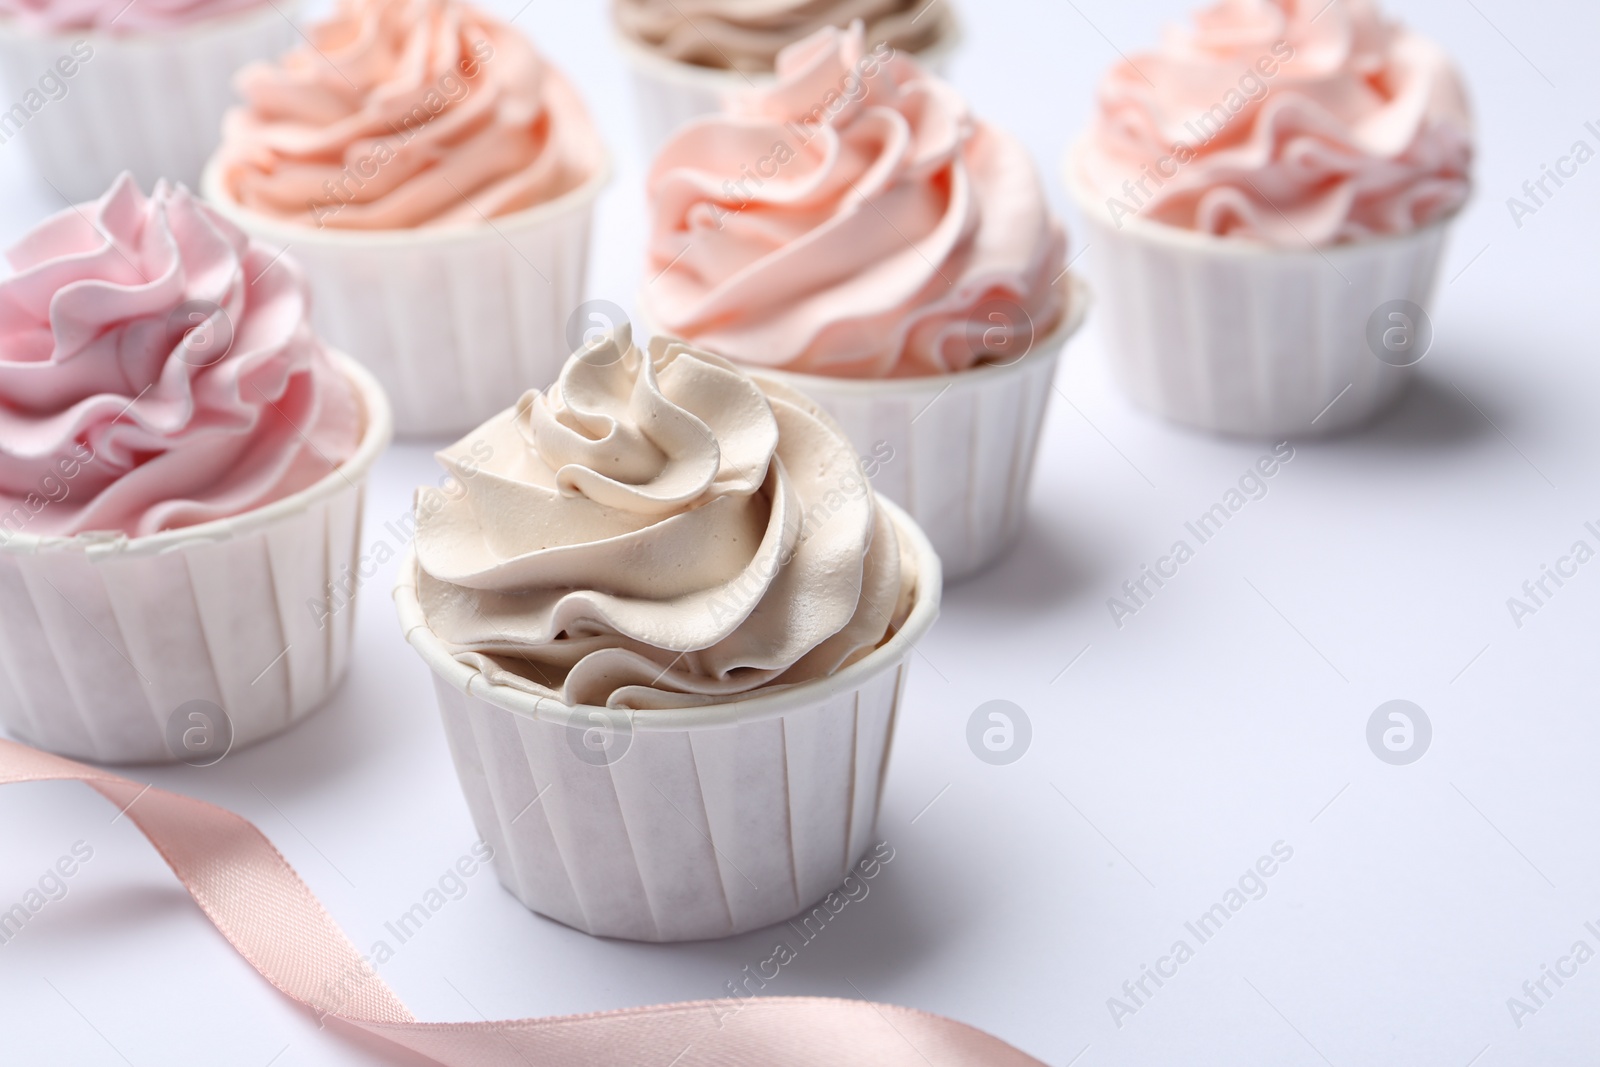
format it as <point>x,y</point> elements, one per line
<point>148,102</point>
<point>669,93</point>
<point>455,322</point>
<point>180,645</point>
<point>1237,338</point>
<point>682,824</point>
<point>955,450</point>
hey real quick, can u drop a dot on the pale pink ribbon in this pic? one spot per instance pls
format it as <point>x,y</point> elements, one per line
<point>257,901</point>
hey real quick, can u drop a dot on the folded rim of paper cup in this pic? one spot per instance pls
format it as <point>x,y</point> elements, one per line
<point>759,706</point>
<point>719,80</point>
<point>287,234</point>
<point>375,437</point>
<point>202,31</point>
<point>1178,237</point>
<point>1079,298</point>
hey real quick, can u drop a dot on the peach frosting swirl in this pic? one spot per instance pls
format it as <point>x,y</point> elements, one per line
<point>400,114</point>
<point>157,370</point>
<point>658,530</point>
<point>119,16</point>
<point>745,36</point>
<point>1285,122</point>
<point>850,221</point>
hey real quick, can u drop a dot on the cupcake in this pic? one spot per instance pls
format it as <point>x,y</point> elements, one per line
<point>1268,195</point>
<point>688,56</point>
<point>436,178</point>
<point>103,86</point>
<point>181,474</point>
<point>669,624</point>
<point>890,255</point>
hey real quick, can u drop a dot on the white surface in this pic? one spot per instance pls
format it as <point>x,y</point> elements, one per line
<point>1188,742</point>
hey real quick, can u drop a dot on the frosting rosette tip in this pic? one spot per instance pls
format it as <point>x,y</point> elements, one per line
<point>658,529</point>
<point>157,371</point>
<point>1284,122</point>
<point>850,221</point>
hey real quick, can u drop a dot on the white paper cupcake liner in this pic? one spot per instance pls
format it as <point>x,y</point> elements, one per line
<point>455,323</point>
<point>151,103</point>
<point>669,94</point>
<point>103,639</point>
<point>957,451</point>
<point>698,823</point>
<point>1235,338</point>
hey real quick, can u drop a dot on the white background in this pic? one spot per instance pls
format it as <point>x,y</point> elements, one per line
<point>1228,715</point>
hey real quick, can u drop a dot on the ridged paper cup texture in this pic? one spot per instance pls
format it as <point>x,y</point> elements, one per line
<point>684,824</point>
<point>668,94</point>
<point>149,102</point>
<point>107,642</point>
<point>957,451</point>
<point>1241,339</point>
<point>456,323</point>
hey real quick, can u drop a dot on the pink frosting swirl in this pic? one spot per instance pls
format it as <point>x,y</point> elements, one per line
<point>1284,122</point>
<point>849,221</point>
<point>119,16</point>
<point>405,113</point>
<point>156,371</point>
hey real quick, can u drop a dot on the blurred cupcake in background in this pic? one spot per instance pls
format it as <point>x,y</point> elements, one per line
<point>687,56</point>
<point>856,231</point>
<point>182,464</point>
<point>1268,195</point>
<point>436,177</point>
<point>96,87</point>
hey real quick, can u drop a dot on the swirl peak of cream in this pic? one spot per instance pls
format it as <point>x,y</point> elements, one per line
<point>744,36</point>
<point>400,114</point>
<point>850,221</point>
<point>119,16</point>
<point>658,530</point>
<point>1283,122</point>
<point>157,370</point>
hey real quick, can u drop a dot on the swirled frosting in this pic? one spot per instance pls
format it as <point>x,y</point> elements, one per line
<point>157,370</point>
<point>400,114</point>
<point>658,530</point>
<point>118,16</point>
<point>850,221</point>
<point>1283,122</point>
<point>744,36</point>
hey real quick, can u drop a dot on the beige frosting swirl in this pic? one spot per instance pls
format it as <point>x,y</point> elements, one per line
<point>398,114</point>
<point>658,530</point>
<point>747,35</point>
<point>1283,122</point>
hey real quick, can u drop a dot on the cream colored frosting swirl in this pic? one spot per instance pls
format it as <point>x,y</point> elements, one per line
<point>1285,122</point>
<point>405,113</point>
<point>747,35</point>
<point>658,530</point>
<point>850,221</point>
